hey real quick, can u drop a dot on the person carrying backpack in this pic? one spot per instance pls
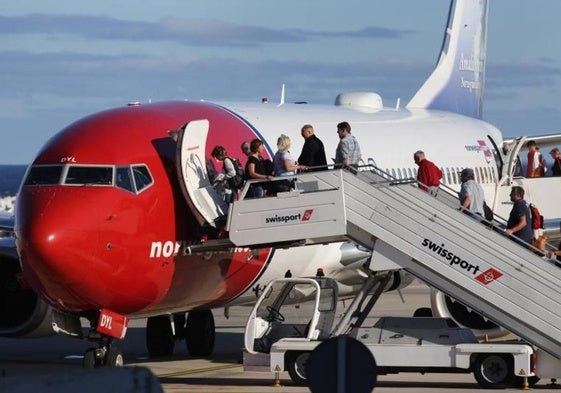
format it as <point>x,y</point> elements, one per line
<point>472,197</point>
<point>229,180</point>
<point>519,221</point>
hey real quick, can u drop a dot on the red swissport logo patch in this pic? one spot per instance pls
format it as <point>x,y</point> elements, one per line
<point>307,215</point>
<point>488,276</point>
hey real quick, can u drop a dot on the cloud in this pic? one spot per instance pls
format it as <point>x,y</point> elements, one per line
<point>535,75</point>
<point>188,31</point>
<point>106,78</point>
<point>84,75</point>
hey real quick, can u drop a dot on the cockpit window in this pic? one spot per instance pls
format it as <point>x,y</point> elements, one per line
<point>124,179</point>
<point>44,175</point>
<point>132,178</point>
<point>99,175</point>
<point>142,177</point>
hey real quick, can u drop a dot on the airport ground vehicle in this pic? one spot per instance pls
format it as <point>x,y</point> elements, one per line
<point>295,315</point>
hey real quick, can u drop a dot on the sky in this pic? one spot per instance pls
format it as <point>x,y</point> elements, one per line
<point>62,60</point>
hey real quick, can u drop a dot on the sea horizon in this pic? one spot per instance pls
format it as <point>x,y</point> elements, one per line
<point>11,176</point>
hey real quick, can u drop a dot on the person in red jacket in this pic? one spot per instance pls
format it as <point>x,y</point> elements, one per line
<point>536,163</point>
<point>428,174</point>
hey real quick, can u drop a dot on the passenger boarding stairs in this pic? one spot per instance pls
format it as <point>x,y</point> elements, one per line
<point>466,259</point>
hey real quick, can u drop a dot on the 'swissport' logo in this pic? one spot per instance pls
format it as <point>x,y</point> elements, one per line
<point>440,250</point>
<point>290,217</point>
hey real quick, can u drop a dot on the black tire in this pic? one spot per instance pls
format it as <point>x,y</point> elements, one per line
<point>89,358</point>
<point>422,312</point>
<point>114,357</point>
<point>296,365</point>
<point>159,336</point>
<point>494,371</point>
<point>200,333</point>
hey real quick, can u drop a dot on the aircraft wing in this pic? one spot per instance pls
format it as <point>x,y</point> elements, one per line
<point>545,142</point>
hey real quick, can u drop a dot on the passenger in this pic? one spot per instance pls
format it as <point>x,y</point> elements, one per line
<point>244,147</point>
<point>313,152</point>
<point>428,174</point>
<point>472,196</point>
<point>348,149</point>
<point>284,164</point>
<point>519,221</point>
<point>536,163</point>
<point>228,172</point>
<point>255,169</point>
<point>556,167</point>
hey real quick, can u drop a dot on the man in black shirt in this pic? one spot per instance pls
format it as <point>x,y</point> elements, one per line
<point>313,152</point>
<point>556,167</point>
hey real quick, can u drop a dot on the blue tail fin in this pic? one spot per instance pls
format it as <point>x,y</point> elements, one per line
<point>458,80</point>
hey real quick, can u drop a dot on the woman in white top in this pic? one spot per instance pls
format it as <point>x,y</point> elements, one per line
<point>284,164</point>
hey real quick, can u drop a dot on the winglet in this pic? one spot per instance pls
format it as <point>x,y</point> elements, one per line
<point>458,80</point>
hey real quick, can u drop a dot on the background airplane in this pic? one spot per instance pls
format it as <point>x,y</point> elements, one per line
<point>102,222</point>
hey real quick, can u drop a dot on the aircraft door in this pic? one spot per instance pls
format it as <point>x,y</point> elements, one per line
<point>203,199</point>
<point>511,161</point>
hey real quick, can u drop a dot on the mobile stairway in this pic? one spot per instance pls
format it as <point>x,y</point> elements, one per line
<point>457,254</point>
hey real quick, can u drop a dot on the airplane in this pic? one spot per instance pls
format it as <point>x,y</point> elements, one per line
<point>112,207</point>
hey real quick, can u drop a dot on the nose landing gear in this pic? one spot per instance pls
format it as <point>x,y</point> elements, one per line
<point>103,356</point>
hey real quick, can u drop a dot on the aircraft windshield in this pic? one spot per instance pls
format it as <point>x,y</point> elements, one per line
<point>132,178</point>
<point>89,175</point>
<point>44,175</point>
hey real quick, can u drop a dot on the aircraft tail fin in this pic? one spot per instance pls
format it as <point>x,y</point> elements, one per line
<point>458,80</point>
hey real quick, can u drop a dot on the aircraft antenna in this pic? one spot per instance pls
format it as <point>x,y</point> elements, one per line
<point>282,96</point>
<point>397,103</point>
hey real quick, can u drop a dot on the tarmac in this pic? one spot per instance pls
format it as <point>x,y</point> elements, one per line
<point>55,363</point>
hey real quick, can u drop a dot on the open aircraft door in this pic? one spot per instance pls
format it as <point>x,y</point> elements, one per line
<point>509,166</point>
<point>206,204</point>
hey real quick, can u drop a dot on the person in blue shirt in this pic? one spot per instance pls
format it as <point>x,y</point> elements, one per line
<point>348,149</point>
<point>519,221</point>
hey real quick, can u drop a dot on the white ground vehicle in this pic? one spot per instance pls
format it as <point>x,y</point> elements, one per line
<point>282,332</point>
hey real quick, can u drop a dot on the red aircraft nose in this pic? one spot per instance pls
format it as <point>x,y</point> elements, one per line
<point>57,241</point>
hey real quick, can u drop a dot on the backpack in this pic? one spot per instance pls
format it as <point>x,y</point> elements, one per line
<point>489,216</point>
<point>236,182</point>
<point>537,218</point>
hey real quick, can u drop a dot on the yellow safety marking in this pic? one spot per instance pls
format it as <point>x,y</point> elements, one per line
<point>277,368</point>
<point>521,372</point>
